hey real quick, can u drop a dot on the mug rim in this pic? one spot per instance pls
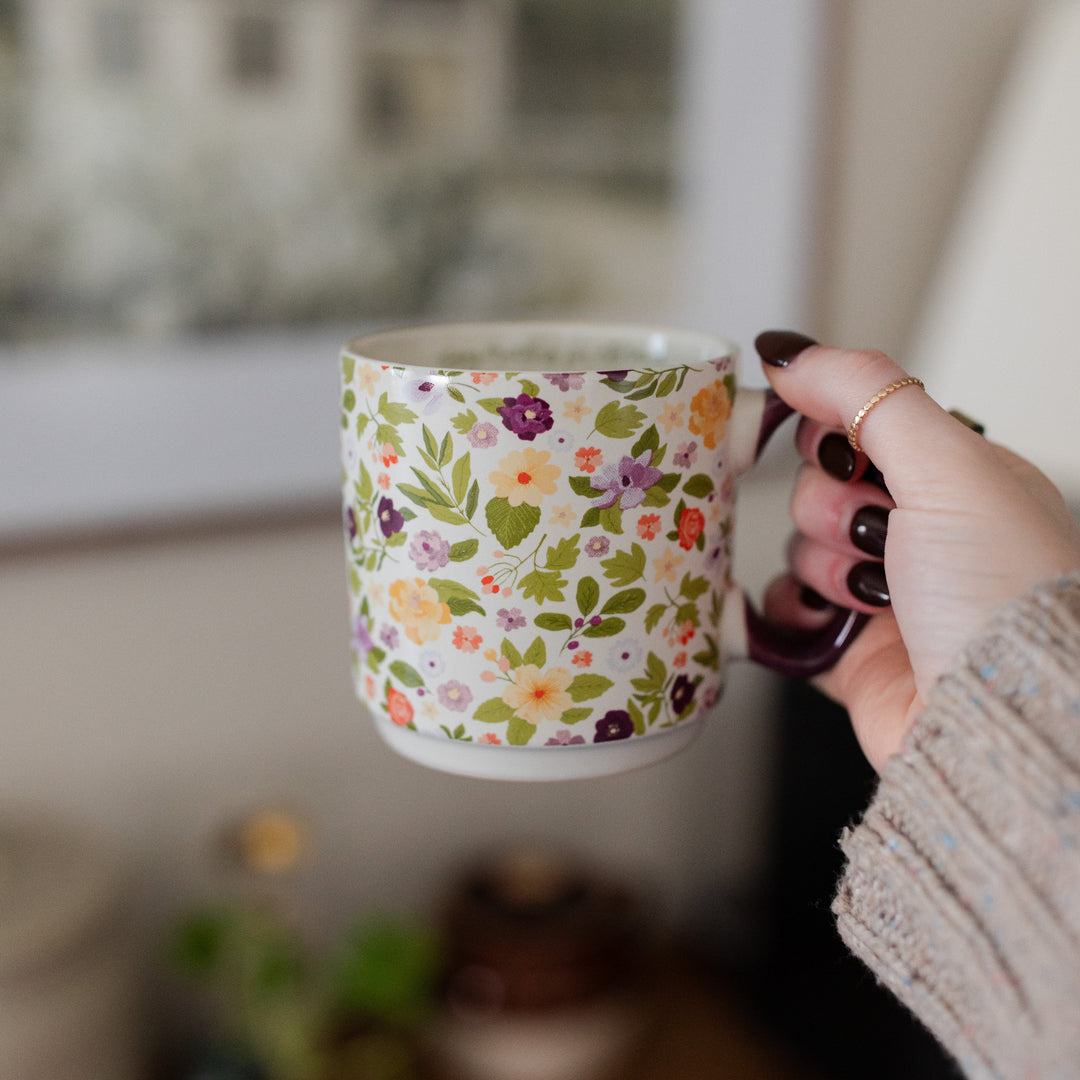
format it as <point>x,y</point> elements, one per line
<point>663,343</point>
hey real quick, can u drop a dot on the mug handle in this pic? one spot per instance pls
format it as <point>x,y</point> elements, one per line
<point>746,633</point>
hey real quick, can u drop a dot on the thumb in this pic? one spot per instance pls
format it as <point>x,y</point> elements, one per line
<point>915,443</point>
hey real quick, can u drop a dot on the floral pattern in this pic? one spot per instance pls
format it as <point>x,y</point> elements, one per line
<point>500,525</point>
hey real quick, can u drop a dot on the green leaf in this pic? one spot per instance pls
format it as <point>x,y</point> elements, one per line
<point>509,650</point>
<point>541,585</point>
<point>649,440</point>
<point>667,384</point>
<point>375,657</point>
<point>554,620</point>
<point>386,433</point>
<point>444,513</point>
<point>431,445</point>
<point>446,451</point>
<point>364,488</point>
<point>710,656</point>
<point>653,616</point>
<point>608,628</point>
<point>406,675</point>
<point>591,518</point>
<point>617,421</point>
<point>655,676</point>
<point>536,653</point>
<point>463,422</point>
<point>494,711</point>
<point>460,476</point>
<point>491,404</point>
<point>362,421</point>
<point>575,716</point>
<point>564,555</point>
<point>611,520</point>
<point>625,567</point>
<point>436,495</point>
<point>463,550</point>
<point>637,716</point>
<point>418,495</point>
<point>622,603</point>
<point>655,497</point>
<point>530,388</point>
<point>511,524</point>
<point>687,613</point>
<point>693,587</point>
<point>519,731</point>
<point>348,368</point>
<point>473,500</point>
<point>582,485</point>
<point>668,482</point>
<point>587,687</point>
<point>395,540</point>
<point>698,486</point>
<point>455,393</point>
<point>460,599</point>
<point>588,595</point>
<point>348,402</point>
<point>393,412</point>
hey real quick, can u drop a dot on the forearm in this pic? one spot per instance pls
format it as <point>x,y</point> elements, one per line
<point>962,891</point>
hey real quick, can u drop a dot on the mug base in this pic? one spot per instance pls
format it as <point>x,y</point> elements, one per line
<point>535,762</point>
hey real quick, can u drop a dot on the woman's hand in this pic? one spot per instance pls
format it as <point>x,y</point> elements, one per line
<point>964,527</point>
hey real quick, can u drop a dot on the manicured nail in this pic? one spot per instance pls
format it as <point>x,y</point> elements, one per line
<point>836,457</point>
<point>873,476</point>
<point>869,527</point>
<point>812,599</point>
<point>867,583</point>
<point>780,347</point>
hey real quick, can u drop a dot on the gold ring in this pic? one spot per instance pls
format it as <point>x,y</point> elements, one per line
<point>873,403</point>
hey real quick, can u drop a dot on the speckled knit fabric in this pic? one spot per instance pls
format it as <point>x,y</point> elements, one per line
<point>962,886</point>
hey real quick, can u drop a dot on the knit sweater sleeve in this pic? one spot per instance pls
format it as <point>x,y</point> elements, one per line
<point>962,885</point>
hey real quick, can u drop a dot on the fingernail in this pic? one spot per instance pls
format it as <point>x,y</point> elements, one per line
<point>812,599</point>
<point>836,456</point>
<point>869,527</point>
<point>780,347</point>
<point>866,581</point>
<point>873,476</point>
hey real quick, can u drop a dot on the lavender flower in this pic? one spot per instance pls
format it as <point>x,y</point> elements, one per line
<point>566,380</point>
<point>388,635</point>
<point>597,546</point>
<point>685,456</point>
<point>429,550</point>
<point>566,738</point>
<point>426,391</point>
<point>362,635</point>
<point>482,434</point>
<point>627,482</point>
<point>455,696</point>
<point>526,416</point>
<point>511,619</point>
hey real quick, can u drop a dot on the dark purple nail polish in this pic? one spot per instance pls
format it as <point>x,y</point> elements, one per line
<point>869,527</point>
<point>873,476</point>
<point>836,456</point>
<point>780,347</point>
<point>866,581</point>
<point>812,599</point>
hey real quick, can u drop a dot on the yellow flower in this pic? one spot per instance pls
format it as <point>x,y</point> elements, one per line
<point>671,414</point>
<point>416,605</point>
<point>524,476</point>
<point>367,376</point>
<point>563,516</point>
<point>709,413</point>
<point>537,695</point>
<point>666,565</point>
<point>575,409</point>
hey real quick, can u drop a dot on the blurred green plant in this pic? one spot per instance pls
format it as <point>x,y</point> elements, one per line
<point>354,1013</point>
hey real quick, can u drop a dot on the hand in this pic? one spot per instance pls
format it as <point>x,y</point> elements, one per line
<point>964,527</point>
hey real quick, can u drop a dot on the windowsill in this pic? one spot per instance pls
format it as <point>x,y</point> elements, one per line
<point>102,437</point>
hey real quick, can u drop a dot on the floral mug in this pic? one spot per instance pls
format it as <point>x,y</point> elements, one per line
<point>538,522</point>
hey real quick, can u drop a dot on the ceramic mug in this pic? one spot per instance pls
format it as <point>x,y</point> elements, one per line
<point>539,522</point>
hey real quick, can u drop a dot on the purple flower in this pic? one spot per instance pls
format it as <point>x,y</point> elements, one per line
<point>455,696</point>
<point>616,724</point>
<point>482,434</point>
<point>682,694</point>
<point>390,520</point>
<point>566,380</point>
<point>388,635</point>
<point>566,738</point>
<point>362,635</point>
<point>615,376</point>
<point>597,546</point>
<point>714,557</point>
<point>685,456</point>
<point>709,697</point>
<point>628,481</point>
<point>426,391</point>
<point>511,619</point>
<point>350,523</point>
<point>526,416</point>
<point>429,550</point>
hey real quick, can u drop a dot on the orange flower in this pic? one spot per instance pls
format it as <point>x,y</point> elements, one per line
<point>710,410</point>
<point>588,458</point>
<point>537,695</point>
<point>691,526</point>
<point>490,739</point>
<point>648,525</point>
<point>416,605</point>
<point>466,639</point>
<point>524,476</point>
<point>399,707</point>
<point>582,659</point>
<point>483,378</point>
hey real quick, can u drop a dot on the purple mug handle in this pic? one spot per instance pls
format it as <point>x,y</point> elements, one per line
<point>790,651</point>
